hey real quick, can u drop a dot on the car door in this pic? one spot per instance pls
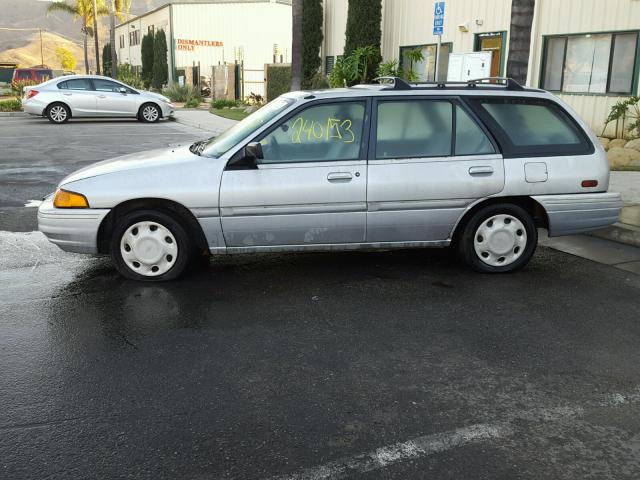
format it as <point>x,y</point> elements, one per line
<point>310,187</point>
<point>78,93</point>
<point>429,160</point>
<point>110,99</point>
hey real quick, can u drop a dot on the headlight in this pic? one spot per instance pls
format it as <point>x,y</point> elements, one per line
<point>64,199</point>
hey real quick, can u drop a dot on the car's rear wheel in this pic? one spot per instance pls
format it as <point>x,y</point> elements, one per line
<point>149,113</point>
<point>498,238</point>
<point>150,245</point>
<point>58,113</point>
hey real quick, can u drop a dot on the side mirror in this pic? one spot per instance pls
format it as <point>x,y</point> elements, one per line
<point>122,90</point>
<point>253,151</point>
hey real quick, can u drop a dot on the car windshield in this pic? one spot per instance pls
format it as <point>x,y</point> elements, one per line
<point>217,146</point>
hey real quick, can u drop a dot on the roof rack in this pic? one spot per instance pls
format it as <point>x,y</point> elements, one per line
<point>397,83</point>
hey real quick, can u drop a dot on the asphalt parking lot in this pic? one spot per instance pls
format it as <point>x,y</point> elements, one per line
<point>389,365</point>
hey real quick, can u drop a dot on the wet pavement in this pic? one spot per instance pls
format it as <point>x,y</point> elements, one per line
<point>389,365</point>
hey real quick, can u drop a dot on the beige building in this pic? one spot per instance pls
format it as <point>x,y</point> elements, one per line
<point>585,51</point>
<point>208,33</point>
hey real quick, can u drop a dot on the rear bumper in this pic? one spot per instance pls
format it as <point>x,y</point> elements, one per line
<point>33,107</point>
<point>73,230</point>
<point>577,213</point>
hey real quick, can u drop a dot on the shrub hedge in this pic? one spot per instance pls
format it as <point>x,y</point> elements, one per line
<point>278,81</point>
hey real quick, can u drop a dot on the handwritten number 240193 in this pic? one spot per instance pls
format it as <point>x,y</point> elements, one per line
<point>335,129</point>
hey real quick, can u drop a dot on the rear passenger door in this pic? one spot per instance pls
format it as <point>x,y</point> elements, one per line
<point>429,159</point>
<point>78,93</point>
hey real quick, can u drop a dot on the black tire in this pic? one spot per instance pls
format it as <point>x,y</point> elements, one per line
<point>183,256</point>
<point>58,113</point>
<point>467,239</point>
<point>142,113</point>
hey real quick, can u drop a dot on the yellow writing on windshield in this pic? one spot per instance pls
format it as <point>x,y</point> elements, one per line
<point>334,129</point>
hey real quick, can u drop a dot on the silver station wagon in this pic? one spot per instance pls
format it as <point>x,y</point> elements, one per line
<point>478,165</point>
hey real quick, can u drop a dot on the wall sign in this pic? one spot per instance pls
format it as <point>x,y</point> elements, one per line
<point>189,45</point>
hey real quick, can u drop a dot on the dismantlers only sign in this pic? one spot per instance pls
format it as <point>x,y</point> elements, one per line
<point>189,45</point>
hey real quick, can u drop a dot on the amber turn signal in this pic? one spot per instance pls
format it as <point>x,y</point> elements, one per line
<point>64,199</point>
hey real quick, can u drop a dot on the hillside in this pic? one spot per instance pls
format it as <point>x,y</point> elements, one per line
<point>29,54</point>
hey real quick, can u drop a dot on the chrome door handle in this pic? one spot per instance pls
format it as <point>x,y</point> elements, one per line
<point>67,94</point>
<point>480,170</point>
<point>339,176</point>
<point>102,96</point>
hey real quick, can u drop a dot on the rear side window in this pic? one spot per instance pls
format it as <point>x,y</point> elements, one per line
<point>75,84</point>
<point>533,127</point>
<point>414,129</point>
<point>23,75</point>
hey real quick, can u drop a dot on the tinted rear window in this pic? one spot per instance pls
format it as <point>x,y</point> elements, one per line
<point>75,84</point>
<point>530,127</point>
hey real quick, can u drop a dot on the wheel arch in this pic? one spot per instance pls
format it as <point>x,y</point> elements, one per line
<point>179,212</point>
<point>57,102</point>
<point>534,208</point>
<point>150,102</point>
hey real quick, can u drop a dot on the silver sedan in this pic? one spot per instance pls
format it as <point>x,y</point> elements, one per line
<point>93,96</point>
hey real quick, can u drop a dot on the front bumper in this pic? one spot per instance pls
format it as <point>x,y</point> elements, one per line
<point>167,109</point>
<point>73,230</point>
<point>582,212</point>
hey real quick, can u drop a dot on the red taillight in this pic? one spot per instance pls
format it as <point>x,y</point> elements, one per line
<point>589,183</point>
<point>32,93</point>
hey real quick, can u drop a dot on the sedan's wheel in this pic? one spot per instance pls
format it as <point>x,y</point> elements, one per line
<point>150,113</point>
<point>499,238</point>
<point>58,113</point>
<point>150,245</point>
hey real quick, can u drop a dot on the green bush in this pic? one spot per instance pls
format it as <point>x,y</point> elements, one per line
<point>192,103</point>
<point>312,36</point>
<point>223,103</point>
<point>278,81</point>
<point>319,82</point>
<point>128,76</point>
<point>146,52</point>
<point>184,93</point>
<point>18,86</point>
<point>12,105</point>
<point>160,66</point>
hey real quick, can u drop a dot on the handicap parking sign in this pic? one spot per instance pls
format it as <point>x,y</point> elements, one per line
<point>438,18</point>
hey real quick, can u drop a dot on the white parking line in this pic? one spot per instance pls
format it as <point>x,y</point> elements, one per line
<point>439,442</point>
<point>33,203</point>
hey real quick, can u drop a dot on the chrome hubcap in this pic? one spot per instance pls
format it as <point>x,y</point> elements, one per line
<point>500,240</point>
<point>148,248</point>
<point>58,113</point>
<point>150,113</point>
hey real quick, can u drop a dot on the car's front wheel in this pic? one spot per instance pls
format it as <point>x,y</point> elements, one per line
<point>58,113</point>
<point>498,238</point>
<point>150,245</point>
<point>149,113</point>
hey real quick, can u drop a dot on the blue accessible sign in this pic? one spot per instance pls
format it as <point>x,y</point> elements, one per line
<point>438,18</point>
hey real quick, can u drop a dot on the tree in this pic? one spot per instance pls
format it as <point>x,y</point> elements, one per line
<point>311,40</point>
<point>66,58</point>
<point>117,8</point>
<point>147,48</point>
<point>106,59</point>
<point>296,44</point>
<point>160,65</point>
<point>81,9</point>
<point>520,39</point>
<point>363,28</point>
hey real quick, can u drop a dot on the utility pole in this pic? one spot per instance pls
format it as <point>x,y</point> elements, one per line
<point>95,36</point>
<point>41,52</point>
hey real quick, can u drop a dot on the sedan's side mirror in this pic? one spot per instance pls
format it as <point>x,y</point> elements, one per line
<point>253,151</point>
<point>122,90</point>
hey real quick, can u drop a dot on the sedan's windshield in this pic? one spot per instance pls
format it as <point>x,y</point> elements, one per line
<point>217,146</point>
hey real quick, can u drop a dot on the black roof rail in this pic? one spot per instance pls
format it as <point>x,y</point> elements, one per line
<point>397,83</point>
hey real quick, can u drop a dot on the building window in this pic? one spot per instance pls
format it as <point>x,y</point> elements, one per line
<point>121,41</point>
<point>329,62</point>
<point>590,63</point>
<point>494,43</point>
<point>425,70</point>
<point>134,38</point>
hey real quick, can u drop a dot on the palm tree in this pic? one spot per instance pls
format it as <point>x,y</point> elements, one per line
<point>118,8</point>
<point>520,39</point>
<point>82,9</point>
<point>296,47</point>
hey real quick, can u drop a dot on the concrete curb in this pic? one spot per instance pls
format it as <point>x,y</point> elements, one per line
<point>13,114</point>
<point>620,233</point>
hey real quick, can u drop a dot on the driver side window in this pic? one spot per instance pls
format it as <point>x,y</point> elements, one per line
<point>324,132</point>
